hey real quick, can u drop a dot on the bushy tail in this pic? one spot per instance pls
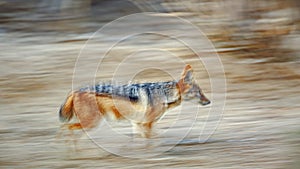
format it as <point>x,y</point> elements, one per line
<point>66,110</point>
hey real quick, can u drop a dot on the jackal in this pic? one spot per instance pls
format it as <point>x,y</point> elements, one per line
<point>142,103</point>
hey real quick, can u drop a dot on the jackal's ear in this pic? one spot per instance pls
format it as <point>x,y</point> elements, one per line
<point>187,74</point>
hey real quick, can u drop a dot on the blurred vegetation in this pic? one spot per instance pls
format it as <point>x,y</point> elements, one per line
<point>266,30</point>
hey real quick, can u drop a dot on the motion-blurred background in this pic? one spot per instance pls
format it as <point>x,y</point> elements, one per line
<point>258,42</point>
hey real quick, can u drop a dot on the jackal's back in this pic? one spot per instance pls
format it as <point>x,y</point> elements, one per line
<point>133,92</point>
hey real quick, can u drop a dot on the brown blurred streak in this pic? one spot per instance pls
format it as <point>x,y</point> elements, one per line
<point>270,72</point>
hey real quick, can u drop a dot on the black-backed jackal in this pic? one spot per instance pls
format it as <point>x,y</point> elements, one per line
<point>142,103</point>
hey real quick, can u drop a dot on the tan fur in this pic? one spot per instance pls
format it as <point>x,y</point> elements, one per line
<point>90,107</point>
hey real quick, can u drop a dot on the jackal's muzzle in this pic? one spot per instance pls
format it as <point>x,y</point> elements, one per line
<point>204,101</point>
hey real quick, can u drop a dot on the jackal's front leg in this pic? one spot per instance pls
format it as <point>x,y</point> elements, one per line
<point>145,129</point>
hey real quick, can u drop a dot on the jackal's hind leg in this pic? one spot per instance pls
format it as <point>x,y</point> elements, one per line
<point>69,128</point>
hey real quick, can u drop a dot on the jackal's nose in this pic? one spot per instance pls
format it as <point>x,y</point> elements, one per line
<point>205,102</point>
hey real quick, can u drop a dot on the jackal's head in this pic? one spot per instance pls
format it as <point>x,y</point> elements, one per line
<point>188,87</point>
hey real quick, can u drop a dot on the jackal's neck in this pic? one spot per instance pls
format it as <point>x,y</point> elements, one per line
<point>175,103</point>
<point>173,94</point>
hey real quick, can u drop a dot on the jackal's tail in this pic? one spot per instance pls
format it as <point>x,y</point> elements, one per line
<point>66,110</point>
